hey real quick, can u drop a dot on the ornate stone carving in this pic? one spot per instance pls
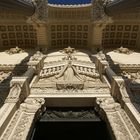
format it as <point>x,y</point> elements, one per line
<point>119,121</point>
<point>69,50</point>
<point>107,104</point>
<point>118,127</point>
<point>31,105</point>
<point>11,126</point>
<point>14,50</point>
<point>89,91</point>
<point>134,77</point>
<point>70,115</point>
<point>71,75</point>
<point>123,50</point>
<point>101,55</point>
<point>14,94</point>
<point>130,125</point>
<point>37,56</point>
<point>25,120</point>
<point>4,76</point>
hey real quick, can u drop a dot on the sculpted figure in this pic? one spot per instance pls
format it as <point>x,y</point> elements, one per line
<point>69,73</point>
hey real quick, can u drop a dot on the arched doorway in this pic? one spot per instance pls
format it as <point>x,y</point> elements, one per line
<point>70,123</point>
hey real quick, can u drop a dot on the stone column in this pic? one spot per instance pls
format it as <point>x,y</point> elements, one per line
<point>101,64</point>
<point>97,35</point>
<point>29,74</point>
<point>36,62</point>
<point>42,35</point>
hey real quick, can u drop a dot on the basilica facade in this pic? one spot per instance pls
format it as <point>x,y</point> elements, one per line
<point>69,62</point>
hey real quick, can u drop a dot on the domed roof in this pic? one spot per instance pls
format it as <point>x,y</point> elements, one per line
<point>69,2</point>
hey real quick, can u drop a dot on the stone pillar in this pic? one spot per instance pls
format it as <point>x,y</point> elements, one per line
<point>42,36</point>
<point>97,36</point>
<point>98,27</point>
<point>29,74</point>
<point>119,90</point>
<point>36,62</point>
<point>101,64</point>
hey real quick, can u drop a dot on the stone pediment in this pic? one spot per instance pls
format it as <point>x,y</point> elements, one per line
<point>69,74</point>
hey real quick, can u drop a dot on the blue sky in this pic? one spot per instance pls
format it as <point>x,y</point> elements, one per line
<point>69,1</point>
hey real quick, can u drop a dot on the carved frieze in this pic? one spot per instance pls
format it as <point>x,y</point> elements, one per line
<point>88,91</point>
<point>70,115</point>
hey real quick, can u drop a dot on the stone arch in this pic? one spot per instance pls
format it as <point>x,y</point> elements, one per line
<point>24,119</point>
<point>119,123</point>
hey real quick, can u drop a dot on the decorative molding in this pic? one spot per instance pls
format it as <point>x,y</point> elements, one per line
<point>50,91</point>
<point>130,125</point>
<point>23,124</point>
<point>107,105</point>
<point>118,127</point>
<point>119,121</point>
<point>38,56</point>
<point>23,119</point>
<point>62,115</point>
<point>14,94</point>
<point>31,105</point>
<point>18,90</point>
<point>11,126</point>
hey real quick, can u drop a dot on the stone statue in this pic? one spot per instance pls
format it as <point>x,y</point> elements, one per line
<point>69,73</point>
<point>14,50</point>
<point>123,50</point>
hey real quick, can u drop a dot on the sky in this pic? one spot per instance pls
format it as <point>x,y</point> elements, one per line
<point>69,1</point>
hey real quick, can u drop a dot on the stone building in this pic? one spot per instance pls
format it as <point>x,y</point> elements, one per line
<point>69,67</point>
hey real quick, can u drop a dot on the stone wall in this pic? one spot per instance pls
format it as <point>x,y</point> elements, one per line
<point>22,35</point>
<point>121,34</point>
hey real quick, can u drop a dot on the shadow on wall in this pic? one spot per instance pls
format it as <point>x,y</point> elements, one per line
<point>131,78</point>
<point>9,71</point>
